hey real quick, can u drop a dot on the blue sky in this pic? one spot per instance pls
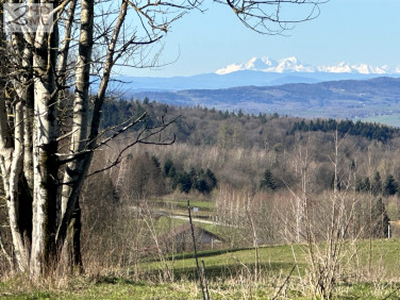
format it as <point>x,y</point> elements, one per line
<point>354,31</point>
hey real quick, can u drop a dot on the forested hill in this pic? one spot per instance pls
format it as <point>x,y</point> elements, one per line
<point>203,126</point>
<point>343,99</point>
<point>371,131</point>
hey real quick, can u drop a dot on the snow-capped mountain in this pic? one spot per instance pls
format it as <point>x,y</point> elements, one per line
<point>258,72</point>
<point>293,65</point>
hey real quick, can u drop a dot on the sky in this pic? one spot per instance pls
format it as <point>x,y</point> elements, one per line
<point>353,31</point>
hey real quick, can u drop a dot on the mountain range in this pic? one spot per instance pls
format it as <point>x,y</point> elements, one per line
<point>287,86</point>
<point>293,65</point>
<point>375,99</point>
<point>256,72</point>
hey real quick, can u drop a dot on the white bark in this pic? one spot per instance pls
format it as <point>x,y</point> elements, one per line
<point>45,135</point>
<point>29,155</point>
<point>12,157</point>
<point>75,169</point>
<point>30,161</point>
<point>41,139</point>
<point>6,148</point>
<point>14,175</point>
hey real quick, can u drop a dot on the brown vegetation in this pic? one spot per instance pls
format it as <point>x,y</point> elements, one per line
<point>273,188</point>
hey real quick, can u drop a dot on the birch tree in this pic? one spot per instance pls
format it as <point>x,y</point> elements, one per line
<point>45,147</point>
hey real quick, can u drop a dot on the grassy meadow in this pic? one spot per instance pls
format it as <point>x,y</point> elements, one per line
<point>230,274</point>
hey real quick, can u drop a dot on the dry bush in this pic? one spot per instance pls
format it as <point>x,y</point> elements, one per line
<point>117,225</point>
<point>248,219</point>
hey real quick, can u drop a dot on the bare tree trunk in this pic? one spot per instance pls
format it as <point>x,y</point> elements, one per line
<point>81,104</point>
<point>45,148</point>
<point>12,150</point>
<point>73,242</point>
<point>77,169</point>
<point>20,203</point>
<point>255,238</point>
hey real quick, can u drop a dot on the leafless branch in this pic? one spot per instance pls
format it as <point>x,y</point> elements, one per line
<point>142,138</point>
<point>285,282</point>
<point>266,17</point>
<point>71,157</point>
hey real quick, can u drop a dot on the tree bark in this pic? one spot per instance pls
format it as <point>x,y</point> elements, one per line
<point>76,170</point>
<point>45,148</point>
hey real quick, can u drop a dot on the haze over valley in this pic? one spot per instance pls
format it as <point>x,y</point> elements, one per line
<point>287,87</point>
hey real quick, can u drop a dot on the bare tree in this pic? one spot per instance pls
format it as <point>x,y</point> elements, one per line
<point>273,17</point>
<point>46,149</point>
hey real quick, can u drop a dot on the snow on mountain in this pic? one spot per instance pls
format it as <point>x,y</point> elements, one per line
<point>360,69</point>
<point>260,63</point>
<point>265,64</point>
<point>292,65</point>
<point>342,67</point>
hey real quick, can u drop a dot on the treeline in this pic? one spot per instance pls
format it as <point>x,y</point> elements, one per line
<point>197,125</point>
<point>371,131</point>
<point>145,175</point>
<point>389,187</point>
<point>374,186</point>
<point>118,111</point>
<point>195,179</point>
<point>203,126</point>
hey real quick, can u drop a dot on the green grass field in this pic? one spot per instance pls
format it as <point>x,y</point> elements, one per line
<point>230,275</point>
<point>179,206</point>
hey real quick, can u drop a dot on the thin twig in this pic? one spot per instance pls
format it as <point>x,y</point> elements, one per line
<point>204,276</point>
<point>285,282</point>
<point>392,293</point>
<point>195,253</point>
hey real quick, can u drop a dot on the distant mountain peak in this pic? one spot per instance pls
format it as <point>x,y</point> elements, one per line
<point>293,65</point>
<point>260,63</point>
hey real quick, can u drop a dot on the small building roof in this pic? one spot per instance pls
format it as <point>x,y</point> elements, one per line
<point>184,228</point>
